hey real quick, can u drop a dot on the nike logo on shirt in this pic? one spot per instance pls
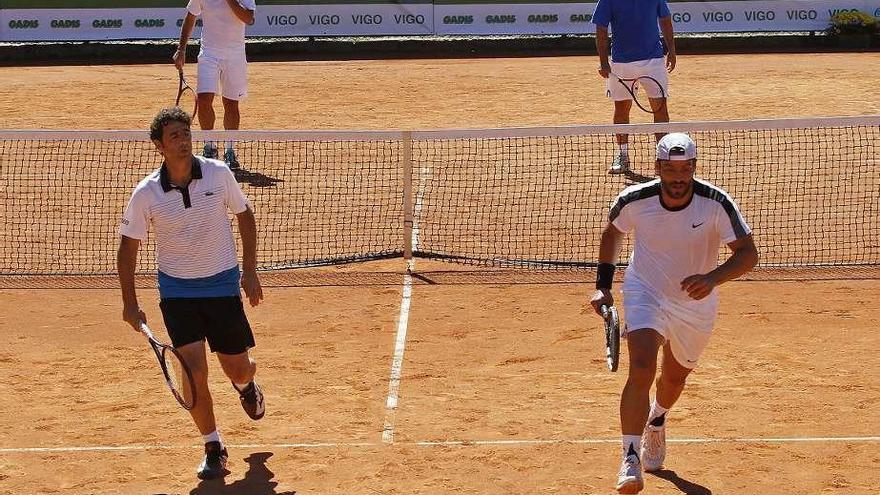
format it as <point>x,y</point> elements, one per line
<point>695,225</point>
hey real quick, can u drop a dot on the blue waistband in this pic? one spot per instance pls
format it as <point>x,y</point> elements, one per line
<point>223,284</point>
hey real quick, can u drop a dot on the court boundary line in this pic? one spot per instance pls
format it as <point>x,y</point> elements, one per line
<point>441,443</point>
<point>397,360</point>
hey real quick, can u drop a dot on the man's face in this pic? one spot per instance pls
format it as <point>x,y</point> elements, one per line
<point>676,177</point>
<point>176,140</point>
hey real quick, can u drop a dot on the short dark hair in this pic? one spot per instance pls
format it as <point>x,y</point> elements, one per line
<point>166,115</point>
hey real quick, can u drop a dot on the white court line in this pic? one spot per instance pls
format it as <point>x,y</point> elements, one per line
<point>403,319</point>
<point>446,443</point>
<point>397,361</point>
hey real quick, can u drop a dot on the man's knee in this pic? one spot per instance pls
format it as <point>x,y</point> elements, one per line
<point>239,368</point>
<point>671,380</point>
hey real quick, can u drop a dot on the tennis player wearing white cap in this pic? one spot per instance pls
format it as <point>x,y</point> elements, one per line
<point>679,223</point>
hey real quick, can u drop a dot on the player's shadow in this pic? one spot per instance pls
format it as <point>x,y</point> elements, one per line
<point>688,487</point>
<point>257,480</point>
<point>255,179</point>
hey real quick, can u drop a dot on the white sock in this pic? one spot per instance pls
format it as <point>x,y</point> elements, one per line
<point>214,436</point>
<point>656,411</point>
<point>241,387</point>
<point>631,444</point>
<point>624,148</point>
<point>229,145</point>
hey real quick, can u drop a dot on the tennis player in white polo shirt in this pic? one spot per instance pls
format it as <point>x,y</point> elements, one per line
<point>222,62</point>
<point>187,203</point>
<point>669,295</point>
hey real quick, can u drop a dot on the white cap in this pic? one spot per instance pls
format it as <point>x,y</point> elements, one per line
<point>676,146</point>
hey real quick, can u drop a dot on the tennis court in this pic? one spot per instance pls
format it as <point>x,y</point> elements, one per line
<point>503,387</point>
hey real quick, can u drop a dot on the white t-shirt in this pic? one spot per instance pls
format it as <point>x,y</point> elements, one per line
<point>222,31</point>
<point>193,230</point>
<point>671,245</point>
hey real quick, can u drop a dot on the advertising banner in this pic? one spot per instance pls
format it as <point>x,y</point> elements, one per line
<point>528,17</point>
<point>61,20</point>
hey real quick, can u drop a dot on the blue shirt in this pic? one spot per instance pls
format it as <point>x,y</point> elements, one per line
<point>223,284</point>
<point>633,26</point>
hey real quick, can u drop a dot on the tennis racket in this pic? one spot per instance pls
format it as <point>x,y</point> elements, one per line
<point>612,336</point>
<point>182,88</point>
<point>177,374</point>
<point>632,86</point>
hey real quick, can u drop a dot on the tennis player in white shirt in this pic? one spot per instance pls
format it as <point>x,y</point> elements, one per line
<point>222,62</point>
<point>670,302</point>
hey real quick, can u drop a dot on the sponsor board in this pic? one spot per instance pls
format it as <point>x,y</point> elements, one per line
<point>688,17</point>
<point>343,20</point>
<point>454,17</point>
<point>90,24</point>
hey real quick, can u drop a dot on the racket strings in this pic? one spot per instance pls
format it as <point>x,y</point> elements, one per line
<point>632,84</point>
<point>179,377</point>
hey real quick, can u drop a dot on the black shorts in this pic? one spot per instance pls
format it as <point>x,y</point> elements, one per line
<point>220,320</point>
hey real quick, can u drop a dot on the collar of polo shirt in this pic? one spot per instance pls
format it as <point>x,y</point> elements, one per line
<point>166,182</point>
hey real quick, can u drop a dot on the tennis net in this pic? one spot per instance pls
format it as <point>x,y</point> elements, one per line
<point>523,197</point>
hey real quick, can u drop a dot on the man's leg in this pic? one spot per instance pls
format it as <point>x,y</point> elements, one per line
<point>621,116</point>
<point>231,115</point>
<point>672,378</point>
<point>643,345</point>
<point>214,463</point>
<point>661,113</point>
<point>240,369</point>
<point>203,412</point>
<point>670,384</point>
<point>231,120</point>
<point>206,121</point>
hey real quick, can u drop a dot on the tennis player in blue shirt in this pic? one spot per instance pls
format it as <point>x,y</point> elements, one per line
<point>637,51</point>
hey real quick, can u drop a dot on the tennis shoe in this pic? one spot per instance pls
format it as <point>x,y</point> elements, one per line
<point>629,479</point>
<point>210,151</point>
<point>231,160</point>
<point>214,464</point>
<point>620,165</point>
<point>653,450</point>
<point>252,400</point>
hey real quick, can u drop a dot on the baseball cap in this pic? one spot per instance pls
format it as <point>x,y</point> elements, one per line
<point>676,146</point>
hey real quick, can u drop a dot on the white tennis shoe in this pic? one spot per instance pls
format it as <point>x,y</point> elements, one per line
<point>620,165</point>
<point>653,448</point>
<point>629,479</point>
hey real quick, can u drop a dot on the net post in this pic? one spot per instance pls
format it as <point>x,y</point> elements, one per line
<point>406,159</point>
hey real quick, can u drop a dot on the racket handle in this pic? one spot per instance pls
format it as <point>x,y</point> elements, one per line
<point>144,329</point>
<point>605,309</point>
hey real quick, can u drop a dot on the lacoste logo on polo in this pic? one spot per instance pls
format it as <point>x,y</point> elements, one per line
<point>124,221</point>
<point>695,225</point>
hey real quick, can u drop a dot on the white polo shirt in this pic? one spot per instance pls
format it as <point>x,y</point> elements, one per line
<point>192,225</point>
<point>673,244</point>
<point>222,31</point>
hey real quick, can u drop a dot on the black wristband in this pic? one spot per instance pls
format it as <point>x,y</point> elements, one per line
<point>605,275</point>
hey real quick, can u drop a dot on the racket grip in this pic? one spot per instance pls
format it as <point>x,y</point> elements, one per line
<point>605,309</point>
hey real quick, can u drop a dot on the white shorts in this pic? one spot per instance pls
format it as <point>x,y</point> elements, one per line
<point>228,73</point>
<point>655,68</point>
<point>686,334</point>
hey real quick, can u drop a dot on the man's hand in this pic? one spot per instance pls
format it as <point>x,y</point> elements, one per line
<point>670,61</point>
<point>605,70</point>
<point>698,286</point>
<point>250,282</point>
<point>180,58</point>
<point>600,297</point>
<point>134,316</point>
